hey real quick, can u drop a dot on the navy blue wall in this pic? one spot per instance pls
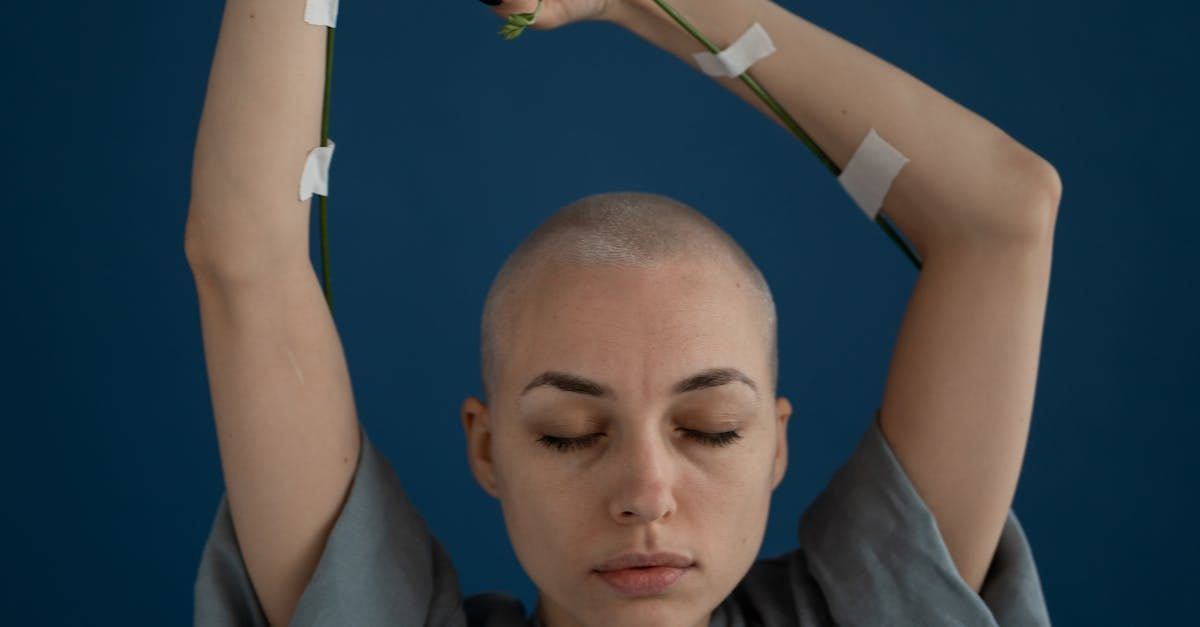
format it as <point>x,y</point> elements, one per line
<point>109,453</point>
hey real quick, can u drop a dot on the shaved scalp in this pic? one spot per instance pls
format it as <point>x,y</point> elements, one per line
<point>617,228</point>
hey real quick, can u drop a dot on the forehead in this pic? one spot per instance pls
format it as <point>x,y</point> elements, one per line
<point>637,329</point>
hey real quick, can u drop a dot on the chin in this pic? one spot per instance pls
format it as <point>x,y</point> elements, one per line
<point>649,612</point>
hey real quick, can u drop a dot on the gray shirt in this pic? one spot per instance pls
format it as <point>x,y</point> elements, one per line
<point>869,554</point>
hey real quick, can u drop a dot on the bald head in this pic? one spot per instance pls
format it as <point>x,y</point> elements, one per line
<point>630,229</point>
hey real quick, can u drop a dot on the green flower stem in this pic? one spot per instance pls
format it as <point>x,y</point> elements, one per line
<point>322,201</point>
<point>791,124</point>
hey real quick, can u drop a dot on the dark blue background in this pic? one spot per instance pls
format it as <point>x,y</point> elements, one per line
<point>111,463</point>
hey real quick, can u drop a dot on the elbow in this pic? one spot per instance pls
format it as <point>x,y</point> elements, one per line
<point>1042,203</point>
<point>1029,211</point>
<point>1012,208</point>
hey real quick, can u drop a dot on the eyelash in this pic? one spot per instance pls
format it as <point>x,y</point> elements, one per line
<point>724,438</point>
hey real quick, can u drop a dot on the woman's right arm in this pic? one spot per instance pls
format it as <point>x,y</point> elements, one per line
<point>281,396</point>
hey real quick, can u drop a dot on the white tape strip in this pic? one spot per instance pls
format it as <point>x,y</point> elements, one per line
<point>321,12</point>
<point>870,172</point>
<point>754,44</point>
<point>315,179</point>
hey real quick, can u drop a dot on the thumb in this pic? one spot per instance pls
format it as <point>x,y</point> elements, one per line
<point>552,14</point>
<point>504,8</point>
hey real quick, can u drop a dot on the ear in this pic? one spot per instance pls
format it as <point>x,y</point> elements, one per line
<point>783,411</point>
<point>477,426</point>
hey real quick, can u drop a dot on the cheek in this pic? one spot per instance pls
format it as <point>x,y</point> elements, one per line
<point>534,478</point>
<point>730,503</point>
<point>546,511</point>
<point>731,494</point>
<point>540,496</point>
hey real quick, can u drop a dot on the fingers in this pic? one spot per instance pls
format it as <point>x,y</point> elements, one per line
<point>547,18</point>
<point>553,13</point>
<point>506,7</point>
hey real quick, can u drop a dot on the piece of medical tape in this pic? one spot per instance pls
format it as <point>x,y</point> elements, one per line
<point>870,172</point>
<point>315,179</point>
<point>753,45</point>
<point>321,12</point>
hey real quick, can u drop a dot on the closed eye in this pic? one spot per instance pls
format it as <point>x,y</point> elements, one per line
<point>724,438</point>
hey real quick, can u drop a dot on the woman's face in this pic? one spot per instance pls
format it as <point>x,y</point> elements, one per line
<point>602,440</point>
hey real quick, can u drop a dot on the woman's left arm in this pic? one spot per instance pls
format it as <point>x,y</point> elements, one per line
<point>980,209</point>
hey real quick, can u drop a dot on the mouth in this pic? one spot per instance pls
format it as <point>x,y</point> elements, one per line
<point>638,560</point>
<point>641,581</point>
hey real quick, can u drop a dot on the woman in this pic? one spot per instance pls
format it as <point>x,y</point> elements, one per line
<point>631,432</point>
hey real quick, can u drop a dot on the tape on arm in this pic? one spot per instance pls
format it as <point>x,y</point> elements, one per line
<point>870,172</point>
<point>753,45</point>
<point>321,12</point>
<point>315,179</point>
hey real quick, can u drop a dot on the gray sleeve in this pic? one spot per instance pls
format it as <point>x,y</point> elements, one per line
<point>875,550</point>
<point>381,565</point>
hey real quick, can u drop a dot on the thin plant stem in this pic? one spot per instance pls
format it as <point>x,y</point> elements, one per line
<point>322,201</point>
<point>791,124</point>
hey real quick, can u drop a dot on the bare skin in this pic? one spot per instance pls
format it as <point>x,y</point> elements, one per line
<point>285,417</point>
<point>645,482</point>
<point>979,207</point>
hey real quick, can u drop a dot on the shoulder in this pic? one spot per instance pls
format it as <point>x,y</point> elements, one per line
<point>876,552</point>
<point>380,565</point>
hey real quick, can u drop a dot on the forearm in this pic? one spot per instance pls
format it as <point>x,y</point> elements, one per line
<point>966,181</point>
<point>261,117</point>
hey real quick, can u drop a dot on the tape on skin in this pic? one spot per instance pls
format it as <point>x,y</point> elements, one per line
<point>753,45</point>
<point>870,172</point>
<point>321,12</point>
<point>315,179</point>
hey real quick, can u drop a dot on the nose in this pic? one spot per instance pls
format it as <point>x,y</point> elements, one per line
<point>644,475</point>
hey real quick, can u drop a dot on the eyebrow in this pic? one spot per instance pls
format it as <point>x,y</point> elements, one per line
<point>710,378</point>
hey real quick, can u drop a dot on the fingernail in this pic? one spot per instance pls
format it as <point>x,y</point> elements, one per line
<point>491,2</point>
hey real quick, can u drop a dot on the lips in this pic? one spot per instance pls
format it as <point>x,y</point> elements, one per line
<point>644,574</point>
<point>645,560</point>
<point>647,581</point>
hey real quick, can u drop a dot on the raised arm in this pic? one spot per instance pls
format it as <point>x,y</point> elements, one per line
<point>281,396</point>
<point>979,207</point>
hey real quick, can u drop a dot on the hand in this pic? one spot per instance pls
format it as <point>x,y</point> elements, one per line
<point>556,13</point>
